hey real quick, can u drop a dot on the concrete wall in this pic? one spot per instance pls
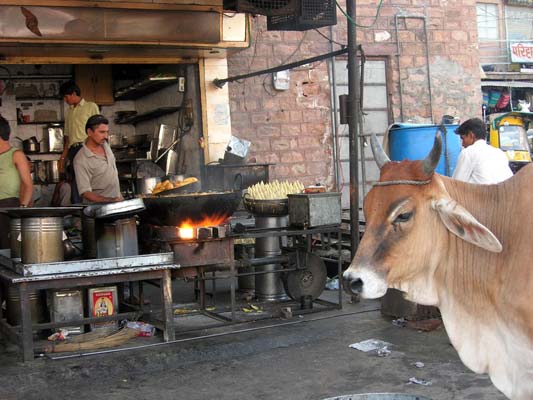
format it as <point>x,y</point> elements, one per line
<point>293,128</point>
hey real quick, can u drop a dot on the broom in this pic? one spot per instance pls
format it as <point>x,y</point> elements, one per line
<point>92,341</point>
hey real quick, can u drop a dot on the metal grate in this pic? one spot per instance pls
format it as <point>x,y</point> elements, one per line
<point>264,7</point>
<point>312,14</point>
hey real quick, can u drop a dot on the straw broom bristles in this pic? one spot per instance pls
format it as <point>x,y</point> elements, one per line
<point>95,341</point>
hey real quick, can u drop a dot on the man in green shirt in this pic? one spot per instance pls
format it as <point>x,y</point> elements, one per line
<point>76,117</point>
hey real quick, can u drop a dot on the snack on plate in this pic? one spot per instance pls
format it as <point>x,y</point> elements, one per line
<point>274,190</point>
<point>168,185</point>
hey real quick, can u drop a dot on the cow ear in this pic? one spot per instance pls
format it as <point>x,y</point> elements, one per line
<point>463,224</point>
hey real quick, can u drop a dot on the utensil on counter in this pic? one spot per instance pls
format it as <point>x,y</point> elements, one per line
<point>114,210</point>
<point>30,146</point>
<point>115,140</point>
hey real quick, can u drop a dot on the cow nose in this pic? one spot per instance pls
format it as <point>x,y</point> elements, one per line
<point>353,286</point>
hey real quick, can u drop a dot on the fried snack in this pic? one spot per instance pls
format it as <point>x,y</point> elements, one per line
<point>168,185</point>
<point>274,190</point>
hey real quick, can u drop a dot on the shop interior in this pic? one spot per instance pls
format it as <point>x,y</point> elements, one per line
<point>150,108</point>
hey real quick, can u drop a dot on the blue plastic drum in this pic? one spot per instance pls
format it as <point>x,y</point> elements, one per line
<point>414,142</point>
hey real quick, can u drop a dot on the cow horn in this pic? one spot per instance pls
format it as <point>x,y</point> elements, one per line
<point>431,161</point>
<point>379,154</point>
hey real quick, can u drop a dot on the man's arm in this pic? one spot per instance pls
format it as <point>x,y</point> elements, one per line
<point>64,154</point>
<point>26,183</point>
<point>96,198</point>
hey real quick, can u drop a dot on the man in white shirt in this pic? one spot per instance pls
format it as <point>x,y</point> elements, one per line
<point>479,162</point>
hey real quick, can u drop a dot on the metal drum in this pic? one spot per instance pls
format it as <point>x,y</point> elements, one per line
<point>269,287</point>
<point>117,238</point>
<point>88,236</point>
<point>14,233</point>
<point>37,306</point>
<point>42,240</point>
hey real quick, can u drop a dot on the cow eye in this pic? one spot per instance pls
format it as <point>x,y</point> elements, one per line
<point>404,217</point>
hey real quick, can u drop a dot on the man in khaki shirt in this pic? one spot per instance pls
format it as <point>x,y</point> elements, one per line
<point>76,117</point>
<point>94,165</point>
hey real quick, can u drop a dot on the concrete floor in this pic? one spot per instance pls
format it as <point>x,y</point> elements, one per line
<point>301,358</point>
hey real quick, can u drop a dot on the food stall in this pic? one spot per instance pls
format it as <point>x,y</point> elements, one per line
<point>169,125</point>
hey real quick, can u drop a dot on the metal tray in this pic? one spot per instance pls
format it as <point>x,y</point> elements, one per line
<point>30,212</point>
<point>113,210</point>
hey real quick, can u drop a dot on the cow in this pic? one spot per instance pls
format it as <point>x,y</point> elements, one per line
<point>465,248</point>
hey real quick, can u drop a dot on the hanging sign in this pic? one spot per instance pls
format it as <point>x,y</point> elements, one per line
<point>522,52</point>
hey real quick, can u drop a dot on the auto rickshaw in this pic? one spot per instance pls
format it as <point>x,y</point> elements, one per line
<point>508,131</point>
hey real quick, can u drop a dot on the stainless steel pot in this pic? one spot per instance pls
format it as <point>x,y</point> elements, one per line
<point>31,145</point>
<point>145,185</point>
<point>116,238</point>
<point>14,236</point>
<point>115,140</point>
<point>52,171</point>
<point>42,240</point>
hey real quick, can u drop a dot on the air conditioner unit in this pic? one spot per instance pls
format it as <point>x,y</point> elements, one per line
<point>264,7</point>
<point>312,14</point>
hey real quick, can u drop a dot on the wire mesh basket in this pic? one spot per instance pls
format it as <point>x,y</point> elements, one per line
<point>264,7</point>
<point>312,14</point>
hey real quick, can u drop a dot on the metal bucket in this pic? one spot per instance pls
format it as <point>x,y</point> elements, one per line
<point>88,236</point>
<point>42,240</point>
<point>14,233</point>
<point>379,396</point>
<point>116,238</point>
<point>37,306</point>
<point>269,286</point>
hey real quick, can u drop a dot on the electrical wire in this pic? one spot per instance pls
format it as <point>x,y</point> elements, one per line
<point>329,39</point>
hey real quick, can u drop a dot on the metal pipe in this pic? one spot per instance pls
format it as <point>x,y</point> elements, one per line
<point>221,82</point>
<point>353,125</point>
<point>398,51</point>
<point>334,125</point>
<point>361,125</point>
<point>261,261</point>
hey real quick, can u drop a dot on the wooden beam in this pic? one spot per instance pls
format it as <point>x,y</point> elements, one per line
<point>198,5</point>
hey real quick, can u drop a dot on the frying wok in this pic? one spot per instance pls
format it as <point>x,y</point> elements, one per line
<point>178,208</point>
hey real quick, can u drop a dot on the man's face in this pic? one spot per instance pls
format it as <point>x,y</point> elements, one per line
<point>70,99</point>
<point>99,135</point>
<point>468,139</point>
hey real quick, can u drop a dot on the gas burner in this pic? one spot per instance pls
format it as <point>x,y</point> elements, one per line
<point>190,233</point>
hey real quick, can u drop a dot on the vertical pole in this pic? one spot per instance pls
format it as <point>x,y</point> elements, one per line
<point>353,125</point>
<point>168,312</point>
<point>26,322</point>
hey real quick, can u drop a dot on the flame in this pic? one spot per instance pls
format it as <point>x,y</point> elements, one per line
<point>186,229</point>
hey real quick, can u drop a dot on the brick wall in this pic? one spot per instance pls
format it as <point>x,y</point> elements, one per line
<point>293,128</point>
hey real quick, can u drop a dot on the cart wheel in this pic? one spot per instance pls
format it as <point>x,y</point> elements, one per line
<point>308,281</point>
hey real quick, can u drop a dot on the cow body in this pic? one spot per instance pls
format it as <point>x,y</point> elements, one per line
<point>464,248</point>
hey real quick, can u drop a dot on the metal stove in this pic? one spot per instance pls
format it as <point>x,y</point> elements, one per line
<point>200,250</point>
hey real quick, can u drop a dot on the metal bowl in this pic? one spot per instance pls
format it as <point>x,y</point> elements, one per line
<point>266,208</point>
